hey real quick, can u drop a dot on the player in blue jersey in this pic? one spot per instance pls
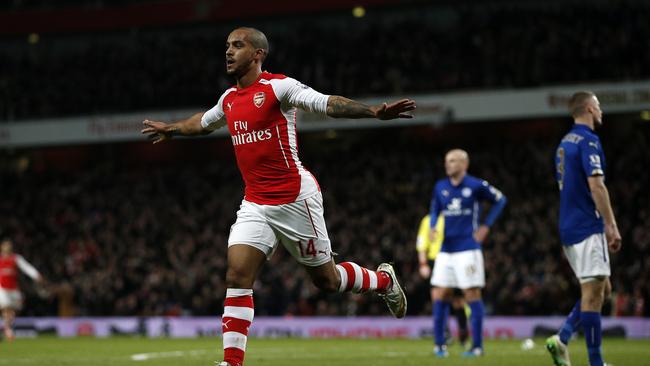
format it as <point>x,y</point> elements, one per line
<point>587,226</point>
<point>460,261</point>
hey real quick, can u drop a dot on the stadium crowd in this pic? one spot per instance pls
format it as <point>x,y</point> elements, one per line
<point>413,49</point>
<point>125,236</point>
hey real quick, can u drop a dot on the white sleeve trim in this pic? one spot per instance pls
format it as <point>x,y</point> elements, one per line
<point>292,92</point>
<point>215,117</point>
<point>27,268</point>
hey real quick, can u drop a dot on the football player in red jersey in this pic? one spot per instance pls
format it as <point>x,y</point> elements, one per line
<point>282,201</point>
<point>11,299</point>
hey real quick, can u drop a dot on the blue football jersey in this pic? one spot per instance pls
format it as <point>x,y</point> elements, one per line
<point>461,209</point>
<point>578,157</point>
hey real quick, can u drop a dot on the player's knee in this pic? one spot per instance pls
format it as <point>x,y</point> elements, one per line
<point>239,277</point>
<point>592,303</point>
<point>607,290</point>
<point>593,295</point>
<point>326,283</point>
<point>472,294</point>
<point>441,293</point>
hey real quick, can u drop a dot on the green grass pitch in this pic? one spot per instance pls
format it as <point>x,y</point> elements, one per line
<point>295,352</point>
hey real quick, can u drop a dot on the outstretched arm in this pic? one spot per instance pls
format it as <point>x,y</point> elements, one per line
<point>161,131</point>
<point>27,268</point>
<point>341,107</point>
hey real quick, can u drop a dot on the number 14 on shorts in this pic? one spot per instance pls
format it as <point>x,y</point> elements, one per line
<point>307,248</point>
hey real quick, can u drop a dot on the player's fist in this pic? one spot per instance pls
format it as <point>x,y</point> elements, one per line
<point>425,271</point>
<point>481,233</point>
<point>614,240</point>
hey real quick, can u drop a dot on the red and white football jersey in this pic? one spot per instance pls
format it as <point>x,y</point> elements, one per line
<point>262,123</point>
<point>9,266</point>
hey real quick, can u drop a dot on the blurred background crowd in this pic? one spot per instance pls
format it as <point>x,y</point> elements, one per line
<point>414,49</point>
<point>122,236</point>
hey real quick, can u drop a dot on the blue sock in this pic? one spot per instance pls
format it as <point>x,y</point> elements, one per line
<point>440,313</point>
<point>591,327</point>
<point>571,324</point>
<point>476,319</point>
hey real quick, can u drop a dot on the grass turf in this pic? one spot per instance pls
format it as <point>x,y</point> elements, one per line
<point>295,352</point>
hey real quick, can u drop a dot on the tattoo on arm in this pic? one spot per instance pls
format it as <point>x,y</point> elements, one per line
<point>339,107</point>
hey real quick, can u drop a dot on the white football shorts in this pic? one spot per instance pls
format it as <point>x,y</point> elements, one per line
<point>299,226</point>
<point>461,270</point>
<point>589,258</point>
<point>11,299</point>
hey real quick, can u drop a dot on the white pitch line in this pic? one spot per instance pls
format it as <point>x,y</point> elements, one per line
<point>200,352</point>
<point>169,354</point>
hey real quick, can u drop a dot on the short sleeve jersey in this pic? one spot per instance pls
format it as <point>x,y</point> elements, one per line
<point>261,119</point>
<point>579,156</point>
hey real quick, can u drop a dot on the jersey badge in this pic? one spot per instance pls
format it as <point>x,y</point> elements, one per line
<point>466,192</point>
<point>258,99</point>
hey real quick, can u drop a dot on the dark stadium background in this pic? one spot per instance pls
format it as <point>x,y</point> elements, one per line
<point>126,228</point>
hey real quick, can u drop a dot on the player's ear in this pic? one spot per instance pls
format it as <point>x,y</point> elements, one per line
<point>260,54</point>
<point>591,107</point>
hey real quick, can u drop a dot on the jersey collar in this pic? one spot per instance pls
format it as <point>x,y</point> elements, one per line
<point>259,77</point>
<point>462,181</point>
<point>582,127</point>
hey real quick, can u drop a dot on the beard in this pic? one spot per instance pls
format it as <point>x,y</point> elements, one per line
<point>241,69</point>
<point>598,122</point>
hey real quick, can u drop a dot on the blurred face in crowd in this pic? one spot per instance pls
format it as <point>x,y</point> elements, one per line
<point>241,55</point>
<point>456,163</point>
<point>5,247</point>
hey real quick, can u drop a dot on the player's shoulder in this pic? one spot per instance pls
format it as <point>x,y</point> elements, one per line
<point>590,141</point>
<point>441,183</point>
<point>440,186</point>
<point>479,184</point>
<point>475,181</point>
<point>227,92</point>
<point>580,135</point>
<point>279,82</point>
<point>268,78</point>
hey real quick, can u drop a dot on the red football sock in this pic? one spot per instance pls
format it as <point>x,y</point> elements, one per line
<point>358,279</point>
<point>237,317</point>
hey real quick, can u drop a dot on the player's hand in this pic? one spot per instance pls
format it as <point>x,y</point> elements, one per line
<point>614,240</point>
<point>394,110</point>
<point>432,234</point>
<point>425,271</point>
<point>481,233</point>
<point>42,287</point>
<point>158,131</point>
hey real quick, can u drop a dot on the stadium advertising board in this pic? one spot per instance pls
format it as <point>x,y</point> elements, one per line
<point>311,327</point>
<point>431,109</point>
